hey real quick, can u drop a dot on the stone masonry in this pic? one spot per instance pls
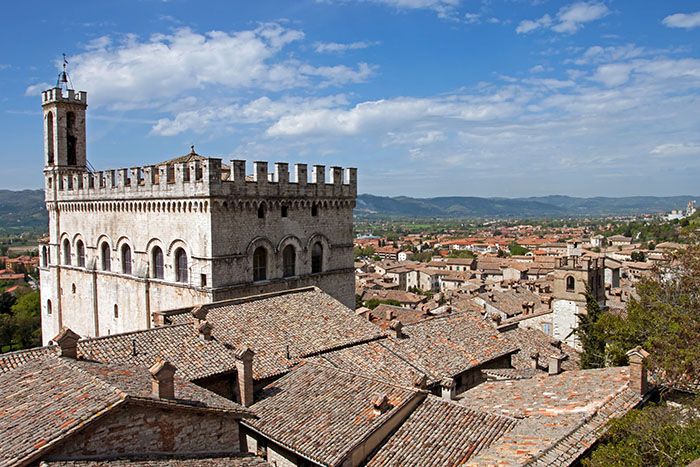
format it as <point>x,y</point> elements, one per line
<point>126,243</point>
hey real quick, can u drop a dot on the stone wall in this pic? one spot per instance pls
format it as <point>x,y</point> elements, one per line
<point>140,430</point>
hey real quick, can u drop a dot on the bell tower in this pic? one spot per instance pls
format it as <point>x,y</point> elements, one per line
<point>64,129</point>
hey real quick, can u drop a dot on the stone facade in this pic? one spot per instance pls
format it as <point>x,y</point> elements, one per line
<point>126,243</point>
<point>143,431</point>
<point>572,276</point>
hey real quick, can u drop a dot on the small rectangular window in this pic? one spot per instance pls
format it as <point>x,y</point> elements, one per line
<point>547,328</point>
<point>204,280</point>
<point>284,211</point>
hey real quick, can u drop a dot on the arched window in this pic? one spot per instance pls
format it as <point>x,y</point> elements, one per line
<point>261,212</point>
<point>48,307</point>
<point>314,210</point>
<point>126,259</point>
<point>45,256</point>
<point>157,263</point>
<point>71,140</point>
<point>260,264</point>
<point>80,250</point>
<point>106,259</point>
<point>49,138</point>
<point>288,261</point>
<point>116,311</point>
<point>180,265</point>
<point>66,252</point>
<point>570,286</point>
<point>316,258</point>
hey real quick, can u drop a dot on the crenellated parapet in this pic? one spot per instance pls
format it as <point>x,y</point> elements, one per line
<point>202,178</point>
<point>56,95</point>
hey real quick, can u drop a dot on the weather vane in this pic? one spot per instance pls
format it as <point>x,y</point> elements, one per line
<point>63,78</point>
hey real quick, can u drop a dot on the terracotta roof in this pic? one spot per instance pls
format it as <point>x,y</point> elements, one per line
<point>381,312</point>
<point>179,344</point>
<point>375,360</point>
<point>510,301</point>
<point>60,395</point>
<point>530,341</point>
<point>240,460</point>
<point>441,433</point>
<point>324,413</point>
<point>562,414</point>
<point>446,346</point>
<point>283,328</point>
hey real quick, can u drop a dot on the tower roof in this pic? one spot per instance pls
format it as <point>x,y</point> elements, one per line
<point>193,156</point>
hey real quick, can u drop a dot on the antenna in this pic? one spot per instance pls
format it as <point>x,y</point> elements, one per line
<point>63,78</point>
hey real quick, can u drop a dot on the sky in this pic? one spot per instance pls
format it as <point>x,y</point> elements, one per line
<point>494,98</point>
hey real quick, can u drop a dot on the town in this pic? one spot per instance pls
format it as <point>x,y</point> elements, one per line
<point>385,233</point>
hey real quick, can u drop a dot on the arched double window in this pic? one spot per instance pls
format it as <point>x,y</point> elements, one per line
<point>80,251</point>
<point>259,264</point>
<point>180,265</point>
<point>570,285</point>
<point>106,258</point>
<point>316,258</point>
<point>126,259</point>
<point>66,252</point>
<point>157,263</point>
<point>288,261</point>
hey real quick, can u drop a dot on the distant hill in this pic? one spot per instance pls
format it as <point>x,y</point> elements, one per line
<point>533,207</point>
<point>23,211</point>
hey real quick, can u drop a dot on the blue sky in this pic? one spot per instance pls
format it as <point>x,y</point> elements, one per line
<point>426,97</point>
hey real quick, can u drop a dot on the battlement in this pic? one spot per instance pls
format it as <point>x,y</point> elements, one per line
<point>56,95</point>
<point>578,262</point>
<point>203,178</point>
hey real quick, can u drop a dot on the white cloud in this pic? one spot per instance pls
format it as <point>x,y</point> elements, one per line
<point>444,8</point>
<point>683,20</point>
<point>572,17</point>
<point>527,25</point>
<point>472,18</point>
<point>676,149</point>
<point>598,54</point>
<point>324,47</point>
<point>569,19</point>
<point>537,69</point>
<point>125,75</point>
<point>35,89</point>
<point>613,74</point>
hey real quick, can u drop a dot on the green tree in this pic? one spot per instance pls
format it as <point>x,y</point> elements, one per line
<point>664,319</point>
<point>358,301</point>
<point>517,250</point>
<point>658,435</point>
<point>373,303</point>
<point>7,301</point>
<point>590,335</point>
<point>638,256</point>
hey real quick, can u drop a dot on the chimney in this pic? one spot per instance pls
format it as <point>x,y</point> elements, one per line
<point>533,360</point>
<point>67,341</point>
<point>244,365</point>
<point>205,330</point>
<point>491,297</point>
<point>448,386</point>
<point>380,404</point>
<point>420,381</point>
<point>526,308</point>
<point>199,312</point>
<point>388,314</point>
<point>555,364</point>
<point>395,329</point>
<point>163,384</point>
<point>638,374</point>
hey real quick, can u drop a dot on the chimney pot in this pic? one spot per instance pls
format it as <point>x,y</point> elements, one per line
<point>163,385</point>
<point>448,386</point>
<point>555,364</point>
<point>380,404</point>
<point>395,329</point>
<point>638,374</point>
<point>244,366</point>
<point>205,330</point>
<point>420,381</point>
<point>199,312</point>
<point>67,341</point>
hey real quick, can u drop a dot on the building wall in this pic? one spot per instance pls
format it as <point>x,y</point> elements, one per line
<point>139,430</point>
<point>564,321</point>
